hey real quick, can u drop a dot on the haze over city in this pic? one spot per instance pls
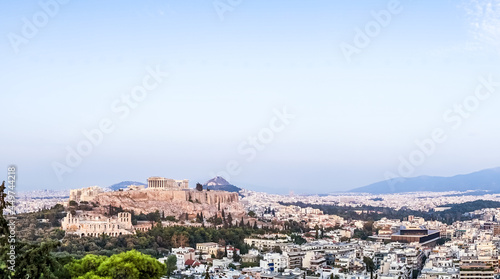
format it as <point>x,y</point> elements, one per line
<point>279,97</point>
<point>233,139</point>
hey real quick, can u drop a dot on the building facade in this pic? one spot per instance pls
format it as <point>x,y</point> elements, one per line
<point>478,267</point>
<point>416,234</point>
<point>273,262</point>
<point>209,248</point>
<point>96,225</point>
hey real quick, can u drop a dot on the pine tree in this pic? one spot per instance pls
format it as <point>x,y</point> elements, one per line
<point>229,220</point>
<point>369,265</point>
<point>4,224</point>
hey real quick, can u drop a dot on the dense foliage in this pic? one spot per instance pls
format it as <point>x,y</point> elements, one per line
<point>156,242</point>
<point>127,265</point>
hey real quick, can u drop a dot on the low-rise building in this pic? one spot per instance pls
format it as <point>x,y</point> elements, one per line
<point>273,262</point>
<point>209,248</point>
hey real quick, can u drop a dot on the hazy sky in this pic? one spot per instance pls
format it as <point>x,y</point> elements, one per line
<point>309,96</point>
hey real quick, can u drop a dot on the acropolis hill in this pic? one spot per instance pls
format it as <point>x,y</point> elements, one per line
<point>172,202</point>
<point>171,197</point>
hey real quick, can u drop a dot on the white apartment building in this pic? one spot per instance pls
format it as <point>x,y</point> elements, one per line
<point>273,262</point>
<point>183,254</point>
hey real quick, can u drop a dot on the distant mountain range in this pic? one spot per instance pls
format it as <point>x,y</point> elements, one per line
<point>486,180</point>
<point>124,185</point>
<point>219,183</point>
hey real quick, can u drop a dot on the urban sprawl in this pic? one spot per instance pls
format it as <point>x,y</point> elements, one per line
<point>369,236</point>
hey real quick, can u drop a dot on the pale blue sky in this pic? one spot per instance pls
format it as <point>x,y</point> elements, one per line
<point>353,120</point>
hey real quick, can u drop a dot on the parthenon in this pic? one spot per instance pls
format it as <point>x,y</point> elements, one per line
<point>156,182</point>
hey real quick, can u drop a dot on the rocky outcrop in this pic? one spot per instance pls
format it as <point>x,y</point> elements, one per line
<point>85,194</point>
<point>173,202</point>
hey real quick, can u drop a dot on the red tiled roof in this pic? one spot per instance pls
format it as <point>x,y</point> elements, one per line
<point>192,263</point>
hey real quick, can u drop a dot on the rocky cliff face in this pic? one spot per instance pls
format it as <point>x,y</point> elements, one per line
<point>173,202</point>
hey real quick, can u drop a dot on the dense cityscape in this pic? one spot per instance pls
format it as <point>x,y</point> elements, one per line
<point>289,236</point>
